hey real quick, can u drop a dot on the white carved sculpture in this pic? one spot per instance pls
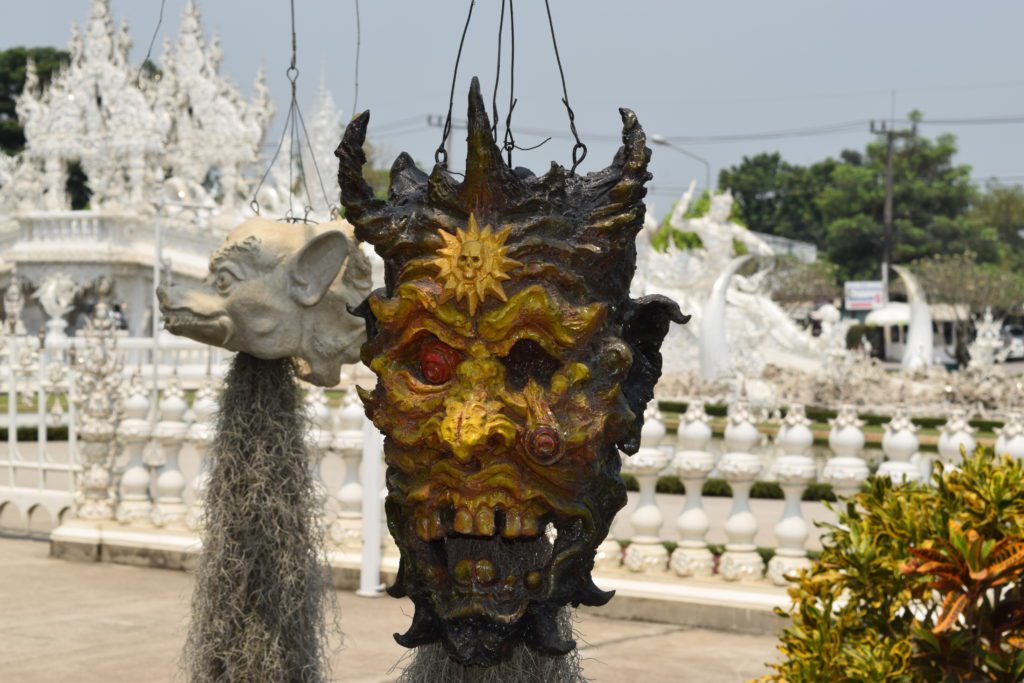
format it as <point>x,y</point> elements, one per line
<point>347,529</point>
<point>987,348</point>
<point>693,463</point>
<point>14,303</point>
<point>900,444</point>
<point>56,296</point>
<point>134,431</point>
<point>279,290</point>
<point>740,467</point>
<point>99,413</point>
<point>794,470</point>
<point>846,469</point>
<point>920,336</point>
<point>646,552</point>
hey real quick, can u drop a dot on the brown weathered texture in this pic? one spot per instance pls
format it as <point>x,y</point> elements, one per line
<point>512,366</point>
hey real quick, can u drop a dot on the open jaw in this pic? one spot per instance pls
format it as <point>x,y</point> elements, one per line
<point>484,588</point>
<point>209,329</point>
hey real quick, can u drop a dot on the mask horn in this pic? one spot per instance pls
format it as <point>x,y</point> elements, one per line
<point>362,207</point>
<point>489,181</point>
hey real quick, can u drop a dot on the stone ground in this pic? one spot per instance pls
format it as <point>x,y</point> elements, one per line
<point>62,621</point>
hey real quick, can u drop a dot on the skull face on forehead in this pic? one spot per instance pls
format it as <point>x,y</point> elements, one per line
<point>512,366</point>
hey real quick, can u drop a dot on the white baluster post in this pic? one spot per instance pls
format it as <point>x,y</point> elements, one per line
<point>794,470</point>
<point>347,529</point>
<point>135,504</point>
<point>955,438</point>
<point>1010,437</point>
<point>900,444</point>
<point>646,553</point>
<point>693,463</point>
<point>320,438</point>
<point>170,433</point>
<point>740,467</point>
<point>200,435</point>
<point>846,469</point>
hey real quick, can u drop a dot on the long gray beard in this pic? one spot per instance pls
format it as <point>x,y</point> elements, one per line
<point>431,664</point>
<point>262,585</point>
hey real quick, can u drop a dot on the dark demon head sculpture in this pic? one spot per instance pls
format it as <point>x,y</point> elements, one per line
<point>511,366</point>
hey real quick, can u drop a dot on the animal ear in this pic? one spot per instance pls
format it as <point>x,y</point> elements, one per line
<point>316,265</point>
<point>644,329</point>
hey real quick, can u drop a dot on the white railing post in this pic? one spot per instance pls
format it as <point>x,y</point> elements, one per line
<point>200,435</point>
<point>956,437</point>
<point>846,470</point>
<point>346,531</point>
<point>320,438</point>
<point>170,433</point>
<point>646,552</point>
<point>135,504</point>
<point>740,467</point>
<point>1010,437</point>
<point>369,573</point>
<point>900,444</point>
<point>794,470</point>
<point>693,463</point>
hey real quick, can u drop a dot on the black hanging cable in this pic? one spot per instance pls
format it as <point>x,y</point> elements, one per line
<point>497,77</point>
<point>579,148</point>
<point>294,129</point>
<point>359,45</point>
<point>510,141</point>
<point>441,155</point>
<point>152,41</point>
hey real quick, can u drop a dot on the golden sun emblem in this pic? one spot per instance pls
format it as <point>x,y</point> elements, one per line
<point>472,264</point>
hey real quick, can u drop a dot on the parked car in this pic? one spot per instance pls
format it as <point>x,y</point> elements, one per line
<point>1013,341</point>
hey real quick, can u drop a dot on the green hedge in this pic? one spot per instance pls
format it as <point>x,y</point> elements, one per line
<point>31,434</point>
<point>719,488</point>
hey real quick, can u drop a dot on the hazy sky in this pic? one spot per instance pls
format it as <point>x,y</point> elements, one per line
<point>686,68</point>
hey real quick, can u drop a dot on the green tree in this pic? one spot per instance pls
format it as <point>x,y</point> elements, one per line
<point>13,63</point>
<point>1002,208</point>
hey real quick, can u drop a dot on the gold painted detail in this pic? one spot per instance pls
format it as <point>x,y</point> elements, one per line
<point>472,264</point>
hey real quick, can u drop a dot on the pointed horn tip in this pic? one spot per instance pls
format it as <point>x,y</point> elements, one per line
<point>629,120</point>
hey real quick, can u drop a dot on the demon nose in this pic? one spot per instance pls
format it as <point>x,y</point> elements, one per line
<point>472,426</point>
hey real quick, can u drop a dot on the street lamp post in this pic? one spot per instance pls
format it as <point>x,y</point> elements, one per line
<point>665,142</point>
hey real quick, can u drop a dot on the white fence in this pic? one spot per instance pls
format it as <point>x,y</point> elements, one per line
<point>154,480</point>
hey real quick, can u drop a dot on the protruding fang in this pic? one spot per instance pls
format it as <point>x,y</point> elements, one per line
<point>424,629</point>
<point>593,596</point>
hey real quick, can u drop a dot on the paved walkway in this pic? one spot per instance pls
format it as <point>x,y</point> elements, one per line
<point>62,621</point>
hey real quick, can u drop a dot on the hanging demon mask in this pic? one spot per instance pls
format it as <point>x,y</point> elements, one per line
<point>512,365</point>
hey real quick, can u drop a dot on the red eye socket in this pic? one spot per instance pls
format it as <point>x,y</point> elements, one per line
<point>437,362</point>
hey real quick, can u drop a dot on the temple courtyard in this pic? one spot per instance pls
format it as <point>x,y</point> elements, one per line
<point>102,622</point>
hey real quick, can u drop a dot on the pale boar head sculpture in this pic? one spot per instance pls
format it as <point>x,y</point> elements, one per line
<point>279,290</point>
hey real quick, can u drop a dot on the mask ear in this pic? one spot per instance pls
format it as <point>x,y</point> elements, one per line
<point>314,268</point>
<point>644,330</point>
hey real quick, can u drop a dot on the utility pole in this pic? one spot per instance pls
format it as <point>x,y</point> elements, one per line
<point>891,135</point>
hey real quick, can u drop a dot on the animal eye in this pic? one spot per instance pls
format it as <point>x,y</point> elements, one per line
<point>528,360</point>
<point>223,280</point>
<point>437,362</point>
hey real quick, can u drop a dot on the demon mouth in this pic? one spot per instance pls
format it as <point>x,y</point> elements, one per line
<point>213,329</point>
<point>494,580</point>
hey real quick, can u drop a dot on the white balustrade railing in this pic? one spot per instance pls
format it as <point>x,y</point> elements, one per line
<point>156,477</point>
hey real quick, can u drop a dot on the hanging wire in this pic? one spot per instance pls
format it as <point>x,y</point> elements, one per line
<point>152,41</point>
<point>295,130</point>
<point>359,45</point>
<point>441,154</point>
<point>579,150</point>
<point>497,76</point>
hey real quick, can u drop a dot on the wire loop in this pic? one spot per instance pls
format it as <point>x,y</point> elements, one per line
<point>441,154</point>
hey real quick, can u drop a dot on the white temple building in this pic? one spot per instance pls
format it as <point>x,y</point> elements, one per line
<point>148,143</point>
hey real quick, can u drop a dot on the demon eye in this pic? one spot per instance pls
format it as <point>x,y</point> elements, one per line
<point>528,360</point>
<point>223,280</point>
<point>437,361</point>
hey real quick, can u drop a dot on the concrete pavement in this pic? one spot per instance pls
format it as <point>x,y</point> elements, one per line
<point>63,621</point>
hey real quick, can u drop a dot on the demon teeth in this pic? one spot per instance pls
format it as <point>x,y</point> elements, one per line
<point>463,521</point>
<point>485,522</point>
<point>513,524</point>
<point>530,524</point>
